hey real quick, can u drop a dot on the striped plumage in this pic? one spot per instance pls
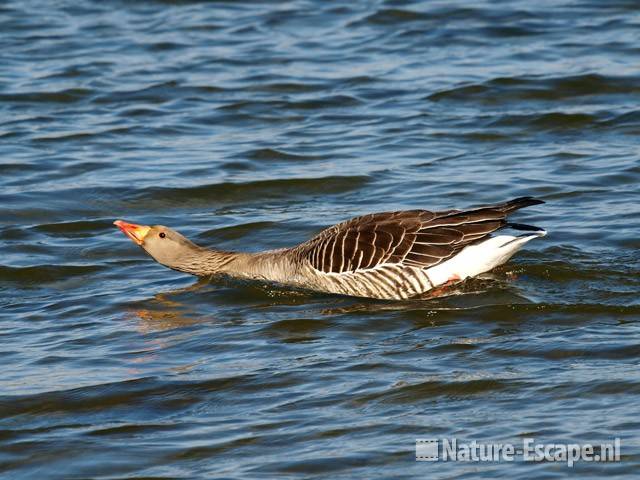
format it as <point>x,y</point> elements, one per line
<point>390,255</point>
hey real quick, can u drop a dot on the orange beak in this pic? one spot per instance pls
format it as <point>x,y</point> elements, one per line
<point>133,231</point>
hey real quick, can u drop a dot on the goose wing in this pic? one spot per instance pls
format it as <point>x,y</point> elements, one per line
<point>416,238</point>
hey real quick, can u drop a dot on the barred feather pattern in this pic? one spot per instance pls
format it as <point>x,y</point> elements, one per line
<point>387,255</point>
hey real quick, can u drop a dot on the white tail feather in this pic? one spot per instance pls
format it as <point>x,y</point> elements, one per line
<point>479,258</point>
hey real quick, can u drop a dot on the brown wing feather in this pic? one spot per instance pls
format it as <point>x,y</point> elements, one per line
<point>418,238</point>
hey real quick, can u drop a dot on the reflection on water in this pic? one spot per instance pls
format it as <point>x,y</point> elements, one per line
<point>165,311</point>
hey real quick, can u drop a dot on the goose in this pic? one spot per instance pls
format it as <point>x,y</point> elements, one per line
<point>389,255</point>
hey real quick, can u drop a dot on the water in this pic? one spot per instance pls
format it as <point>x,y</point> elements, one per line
<point>252,125</point>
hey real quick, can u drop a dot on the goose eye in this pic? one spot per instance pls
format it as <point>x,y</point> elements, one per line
<point>162,234</point>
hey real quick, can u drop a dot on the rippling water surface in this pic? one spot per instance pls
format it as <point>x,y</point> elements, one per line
<point>252,125</point>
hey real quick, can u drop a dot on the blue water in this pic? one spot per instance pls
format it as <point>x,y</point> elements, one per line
<point>253,125</point>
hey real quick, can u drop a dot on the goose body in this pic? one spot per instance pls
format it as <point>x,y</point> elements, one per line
<point>389,255</point>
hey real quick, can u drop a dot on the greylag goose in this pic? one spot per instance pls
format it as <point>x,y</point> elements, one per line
<point>390,255</point>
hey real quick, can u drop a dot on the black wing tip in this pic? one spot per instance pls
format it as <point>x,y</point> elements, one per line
<point>524,227</point>
<point>521,202</point>
<point>527,200</point>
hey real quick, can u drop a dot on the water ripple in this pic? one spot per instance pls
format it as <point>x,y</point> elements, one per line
<point>253,125</point>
